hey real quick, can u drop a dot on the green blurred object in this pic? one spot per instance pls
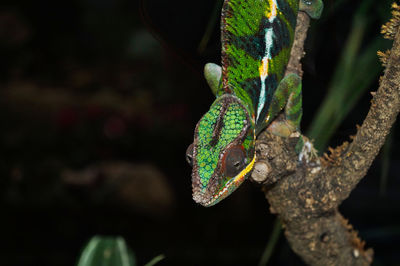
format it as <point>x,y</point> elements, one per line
<point>107,251</point>
<point>155,260</point>
<point>354,74</point>
<point>269,249</point>
<point>210,26</point>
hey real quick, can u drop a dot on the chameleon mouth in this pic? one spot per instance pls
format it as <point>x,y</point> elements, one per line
<point>208,200</point>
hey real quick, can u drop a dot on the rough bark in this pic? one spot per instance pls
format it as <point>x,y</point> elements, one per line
<point>306,195</point>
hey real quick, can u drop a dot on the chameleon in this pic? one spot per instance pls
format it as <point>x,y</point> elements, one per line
<point>250,89</point>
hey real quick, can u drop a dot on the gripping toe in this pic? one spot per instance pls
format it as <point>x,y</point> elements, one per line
<point>312,7</point>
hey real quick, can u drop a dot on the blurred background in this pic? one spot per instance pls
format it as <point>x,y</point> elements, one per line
<point>98,103</point>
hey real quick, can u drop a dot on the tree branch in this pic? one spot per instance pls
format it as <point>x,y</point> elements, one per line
<point>306,194</point>
<point>369,139</point>
<point>297,52</point>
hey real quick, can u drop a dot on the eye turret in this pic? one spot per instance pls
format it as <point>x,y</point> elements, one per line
<point>189,154</point>
<point>234,161</point>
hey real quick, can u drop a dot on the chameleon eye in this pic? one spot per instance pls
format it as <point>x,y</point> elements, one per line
<point>234,161</point>
<point>189,154</point>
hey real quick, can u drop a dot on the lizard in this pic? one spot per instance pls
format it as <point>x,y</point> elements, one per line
<point>250,89</point>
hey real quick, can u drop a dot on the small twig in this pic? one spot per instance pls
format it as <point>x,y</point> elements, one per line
<point>297,52</point>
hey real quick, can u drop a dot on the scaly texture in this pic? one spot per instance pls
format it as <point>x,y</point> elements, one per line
<point>256,41</point>
<point>233,119</point>
<point>225,124</point>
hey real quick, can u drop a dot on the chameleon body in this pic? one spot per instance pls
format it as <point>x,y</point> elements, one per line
<point>251,90</point>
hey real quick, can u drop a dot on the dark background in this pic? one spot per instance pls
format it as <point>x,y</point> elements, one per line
<point>99,100</point>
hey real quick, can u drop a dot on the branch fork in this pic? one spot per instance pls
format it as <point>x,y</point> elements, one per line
<point>306,194</point>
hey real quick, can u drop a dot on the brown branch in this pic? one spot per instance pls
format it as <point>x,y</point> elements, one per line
<point>306,194</point>
<point>385,107</point>
<point>297,52</point>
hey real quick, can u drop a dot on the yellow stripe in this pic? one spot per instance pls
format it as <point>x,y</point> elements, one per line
<point>263,69</point>
<point>271,13</point>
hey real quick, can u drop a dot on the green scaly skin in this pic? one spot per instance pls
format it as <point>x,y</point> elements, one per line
<point>251,91</point>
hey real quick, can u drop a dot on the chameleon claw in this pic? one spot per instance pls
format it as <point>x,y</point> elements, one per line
<point>312,7</point>
<point>306,151</point>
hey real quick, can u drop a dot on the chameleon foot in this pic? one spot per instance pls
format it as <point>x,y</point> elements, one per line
<point>287,96</point>
<point>306,151</point>
<point>312,7</point>
<point>213,73</point>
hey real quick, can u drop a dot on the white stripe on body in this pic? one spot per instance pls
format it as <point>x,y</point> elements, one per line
<point>269,37</point>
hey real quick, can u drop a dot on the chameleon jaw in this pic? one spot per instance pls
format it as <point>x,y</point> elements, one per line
<point>229,187</point>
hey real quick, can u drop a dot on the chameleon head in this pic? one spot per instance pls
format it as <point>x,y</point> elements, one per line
<point>223,152</point>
